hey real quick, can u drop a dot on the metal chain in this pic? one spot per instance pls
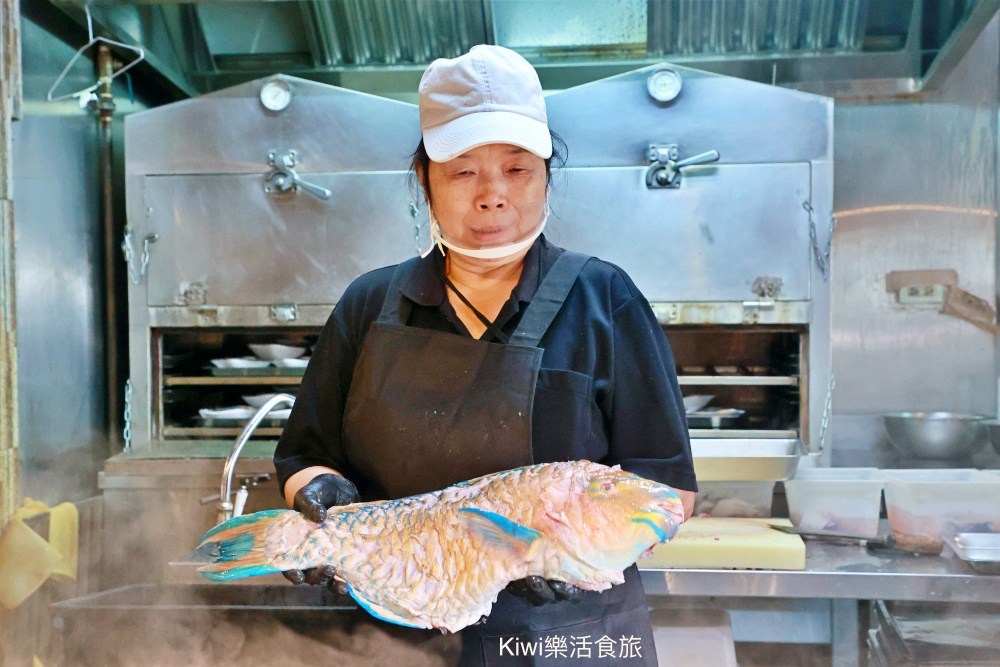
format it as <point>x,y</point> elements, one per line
<point>127,434</point>
<point>822,257</point>
<point>827,408</point>
<point>136,277</point>
<point>129,252</point>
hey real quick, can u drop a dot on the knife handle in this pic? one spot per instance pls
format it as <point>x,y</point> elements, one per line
<point>918,544</point>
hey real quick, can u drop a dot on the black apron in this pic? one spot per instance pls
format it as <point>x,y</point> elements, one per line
<point>428,409</point>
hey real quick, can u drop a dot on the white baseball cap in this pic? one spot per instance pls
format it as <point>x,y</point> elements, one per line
<point>490,95</point>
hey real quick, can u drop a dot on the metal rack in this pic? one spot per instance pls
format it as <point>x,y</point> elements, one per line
<point>206,386</point>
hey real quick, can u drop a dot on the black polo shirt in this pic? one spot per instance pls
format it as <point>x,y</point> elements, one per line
<point>605,354</point>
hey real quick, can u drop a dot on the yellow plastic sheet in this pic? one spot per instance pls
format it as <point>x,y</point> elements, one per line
<point>27,559</point>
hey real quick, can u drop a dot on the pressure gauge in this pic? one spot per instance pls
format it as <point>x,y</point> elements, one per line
<point>664,84</point>
<point>275,95</point>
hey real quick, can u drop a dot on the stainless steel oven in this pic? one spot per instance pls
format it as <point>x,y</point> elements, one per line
<point>254,220</point>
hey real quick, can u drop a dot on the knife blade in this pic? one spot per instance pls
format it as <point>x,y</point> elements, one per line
<point>914,544</point>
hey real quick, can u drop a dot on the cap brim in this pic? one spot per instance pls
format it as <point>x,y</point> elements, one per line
<point>450,140</point>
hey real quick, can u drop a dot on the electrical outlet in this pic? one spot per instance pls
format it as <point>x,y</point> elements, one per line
<point>923,295</point>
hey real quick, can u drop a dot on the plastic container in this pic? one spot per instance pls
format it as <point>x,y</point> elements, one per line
<point>734,499</point>
<point>840,500</point>
<point>940,503</point>
<point>693,637</point>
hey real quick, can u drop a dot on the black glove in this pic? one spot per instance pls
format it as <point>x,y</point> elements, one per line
<point>318,576</point>
<point>323,491</point>
<point>540,591</point>
<point>313,499</point>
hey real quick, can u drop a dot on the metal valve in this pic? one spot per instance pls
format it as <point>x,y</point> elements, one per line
<point>665,170</point>
<point>283,176</point>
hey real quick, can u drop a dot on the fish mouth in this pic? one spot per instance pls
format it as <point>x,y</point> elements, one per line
<point>663,517</point>
<point>673,508</point>
<point>671,504</point>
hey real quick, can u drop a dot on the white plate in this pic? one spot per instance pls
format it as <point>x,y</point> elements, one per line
<point>239,412</point>
<point>290,363</point>
<point>272,351</point>
<point>696,402</point>
<point>240,362</point>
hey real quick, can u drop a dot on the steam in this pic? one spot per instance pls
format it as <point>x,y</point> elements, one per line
<point>262,638</point>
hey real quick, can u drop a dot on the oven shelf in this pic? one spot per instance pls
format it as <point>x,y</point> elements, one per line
<point>177,381</point>
<point>755,434</point>
<point>738,380</point>
<point>206,431</point>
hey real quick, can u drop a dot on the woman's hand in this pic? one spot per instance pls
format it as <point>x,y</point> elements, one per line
<point>326,490</point>
<point>539,591</point>
<point>687,499</point>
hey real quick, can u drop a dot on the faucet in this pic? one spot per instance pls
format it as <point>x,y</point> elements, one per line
<point>225,505</point>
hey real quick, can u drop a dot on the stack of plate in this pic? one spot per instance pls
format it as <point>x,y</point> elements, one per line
<point>928,634</point>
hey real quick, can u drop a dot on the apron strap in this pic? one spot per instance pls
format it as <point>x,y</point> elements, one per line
<point>396,308</point>
<point>549,299</point>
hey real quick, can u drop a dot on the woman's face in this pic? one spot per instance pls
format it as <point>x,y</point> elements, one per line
<point>490,196</point>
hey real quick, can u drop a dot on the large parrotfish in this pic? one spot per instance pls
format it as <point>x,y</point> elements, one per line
<point>439,560</point>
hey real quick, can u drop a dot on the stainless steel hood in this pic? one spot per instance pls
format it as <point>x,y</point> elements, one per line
<point>841,48</point>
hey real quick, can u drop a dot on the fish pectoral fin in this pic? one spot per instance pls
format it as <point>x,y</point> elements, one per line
<point>497,529</point>
<point>380,612</point>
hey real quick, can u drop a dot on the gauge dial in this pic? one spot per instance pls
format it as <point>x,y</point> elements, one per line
<point>664,84</point>
<point>275,95</point>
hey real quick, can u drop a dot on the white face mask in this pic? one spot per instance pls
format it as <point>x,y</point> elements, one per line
<point>498,252</point>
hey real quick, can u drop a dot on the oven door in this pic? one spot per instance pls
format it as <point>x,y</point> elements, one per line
<point>247,247</point>
<point>708,240</point>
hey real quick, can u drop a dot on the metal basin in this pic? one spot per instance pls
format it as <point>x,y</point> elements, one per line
<point>176,625</point>
<point>935,435</point>
<point>208,597</point>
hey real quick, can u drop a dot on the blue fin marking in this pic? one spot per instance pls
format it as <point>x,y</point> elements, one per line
<point>243,520</point>
<point>235,548</point>
<point>499,529</point>
<point>659,531</point>
<point>240,572</point>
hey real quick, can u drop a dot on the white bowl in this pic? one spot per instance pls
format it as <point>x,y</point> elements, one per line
<point>290,363</point>
<point>240,412</point>
<point>273,351</point>
<point>257,401</point>
<point>696,402</point>
<point>240,362</point>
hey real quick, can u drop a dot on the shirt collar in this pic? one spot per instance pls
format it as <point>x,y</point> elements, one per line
<point>426,284</point>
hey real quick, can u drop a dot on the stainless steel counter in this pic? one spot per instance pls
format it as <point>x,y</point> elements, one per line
<point>836,571</point>
<point>843,575</point>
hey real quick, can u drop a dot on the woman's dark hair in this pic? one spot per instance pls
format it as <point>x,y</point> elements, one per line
<point>420,161</point>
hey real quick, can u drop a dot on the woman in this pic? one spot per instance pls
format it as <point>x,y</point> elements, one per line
<point>493,350</point>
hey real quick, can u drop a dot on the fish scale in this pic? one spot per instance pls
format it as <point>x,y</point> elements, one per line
<point>439,560</point>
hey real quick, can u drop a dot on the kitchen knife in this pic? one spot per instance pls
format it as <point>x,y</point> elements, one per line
<point>915,544</point>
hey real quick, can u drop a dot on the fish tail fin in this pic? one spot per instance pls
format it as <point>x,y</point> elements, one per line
<point>241,544</point>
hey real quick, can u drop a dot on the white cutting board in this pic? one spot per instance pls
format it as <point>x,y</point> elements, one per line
<point>715,542</point>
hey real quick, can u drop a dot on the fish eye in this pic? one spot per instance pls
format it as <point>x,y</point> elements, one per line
<point>607,487</point>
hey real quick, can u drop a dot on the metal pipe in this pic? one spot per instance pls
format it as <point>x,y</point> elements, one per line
<point>10,109</point>
<point>105,107</point>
